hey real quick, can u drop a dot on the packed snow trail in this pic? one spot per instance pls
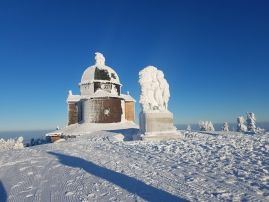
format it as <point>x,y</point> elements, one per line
<point>99,167</point>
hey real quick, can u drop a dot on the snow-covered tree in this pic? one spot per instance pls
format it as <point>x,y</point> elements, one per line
<point>189,127</point>
<point>210,126</point>
<point>251,122</point>
<point>19,143</point>
<point>203,125</point>
<point>11,144</point>
<point>206,126</point>
<point>241,127</point>
<point>225,127</point>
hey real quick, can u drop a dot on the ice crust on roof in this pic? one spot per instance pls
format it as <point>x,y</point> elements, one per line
<point>127,97</point>
<point>99,72</point>
<point>73,98</point>
<point>99,93</point>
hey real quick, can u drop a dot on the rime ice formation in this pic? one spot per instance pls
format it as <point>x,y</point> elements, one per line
<point>154,90</point>
<point>11,144</point>
<point>99,59</point>
<point>155,121</point>
<point>225,126</point>
<point>251,122</point>
<point>241,127</point>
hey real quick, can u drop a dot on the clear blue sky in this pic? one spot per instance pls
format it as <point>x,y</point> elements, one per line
<point>215,55</point>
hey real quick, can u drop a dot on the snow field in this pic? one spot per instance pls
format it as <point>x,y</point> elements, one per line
<point>209,166</point>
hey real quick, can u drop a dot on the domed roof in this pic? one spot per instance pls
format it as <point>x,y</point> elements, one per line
<point>99,72</point>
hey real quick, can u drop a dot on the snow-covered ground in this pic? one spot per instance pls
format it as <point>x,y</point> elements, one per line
<point>213,166</point>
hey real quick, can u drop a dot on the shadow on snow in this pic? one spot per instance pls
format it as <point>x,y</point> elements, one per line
<point>132,185</point>
<point>127,133</point>
<point>3,193</point>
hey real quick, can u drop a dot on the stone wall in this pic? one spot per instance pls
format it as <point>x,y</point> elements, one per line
<point>129,111</point>
<point>156,122</point>
<point>72,113</point>
<point>101,110</point>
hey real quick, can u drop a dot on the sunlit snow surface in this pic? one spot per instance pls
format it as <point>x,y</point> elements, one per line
<point>215,166</point>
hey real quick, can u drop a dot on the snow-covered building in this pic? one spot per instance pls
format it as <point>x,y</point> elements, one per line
<point>100,99</point>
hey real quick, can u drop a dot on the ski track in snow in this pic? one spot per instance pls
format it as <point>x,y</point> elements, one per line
<point>200,167</point>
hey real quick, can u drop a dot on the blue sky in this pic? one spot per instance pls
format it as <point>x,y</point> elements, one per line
<point>215,55</point>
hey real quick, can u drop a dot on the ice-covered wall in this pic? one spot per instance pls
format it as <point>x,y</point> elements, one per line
<point>123,118</point>
<point>155,94</point>
<point>87,89</point>
<point>101,110</point>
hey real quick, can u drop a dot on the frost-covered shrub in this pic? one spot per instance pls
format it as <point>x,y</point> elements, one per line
<point>37,141</point>
<point>241,127</point>
<point>189,127</point>
<point>11,144</point>
<point>225,127</point>
<point>251,122</point>
<point>260,130</point>
<point>206,126</point>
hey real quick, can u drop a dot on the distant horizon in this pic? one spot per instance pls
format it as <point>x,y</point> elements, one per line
<point>176,124</point>
<point>214,55</point>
